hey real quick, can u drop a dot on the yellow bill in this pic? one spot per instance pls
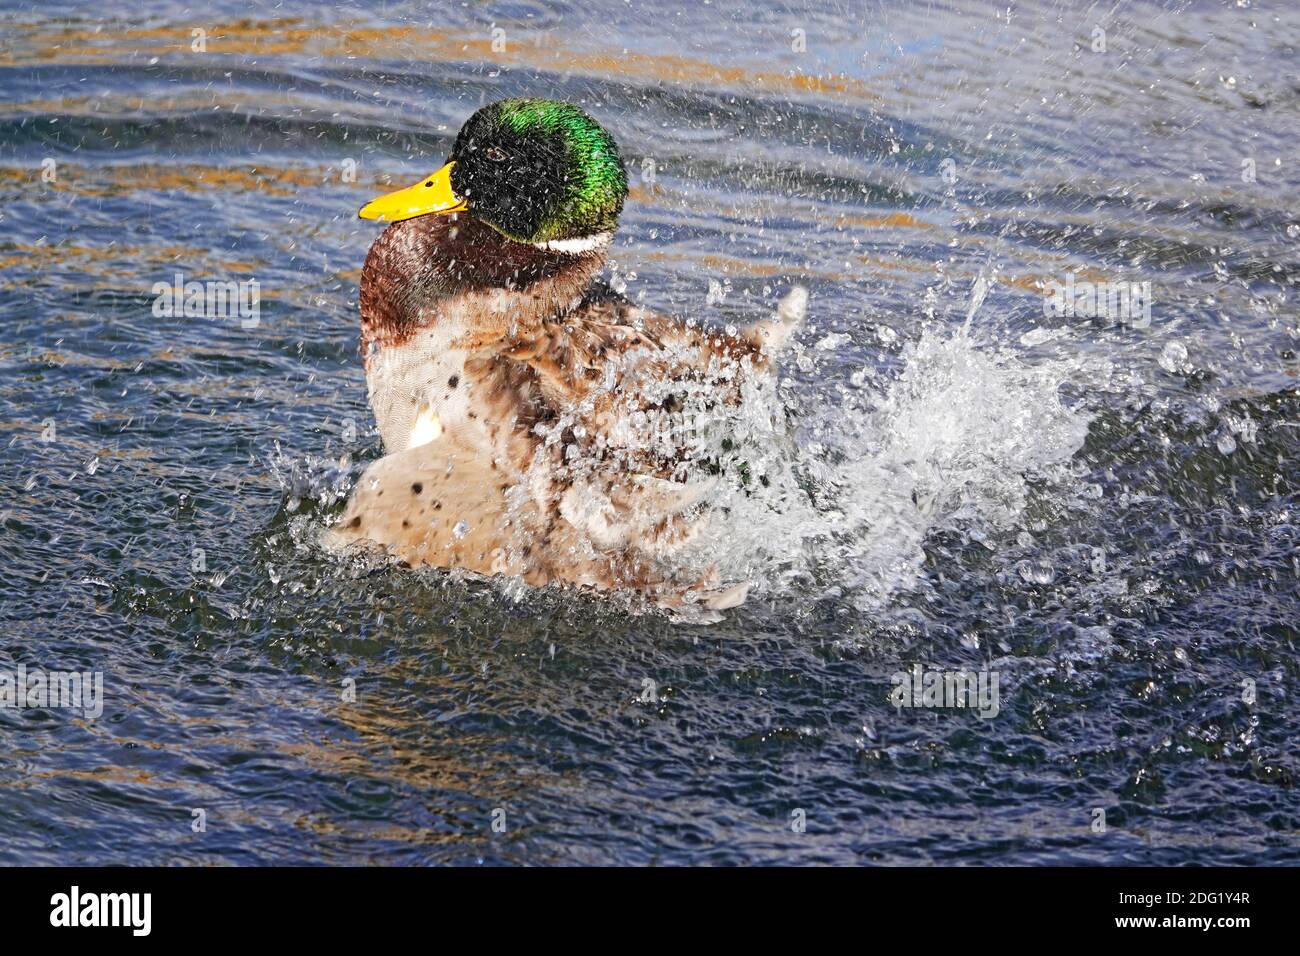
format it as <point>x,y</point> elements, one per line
<point>432,195</point>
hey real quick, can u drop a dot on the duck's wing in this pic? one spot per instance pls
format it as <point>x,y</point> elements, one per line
<point>441,504</point>
<point>437,504</point>
<point>607,343</point>
<point>618,378</point>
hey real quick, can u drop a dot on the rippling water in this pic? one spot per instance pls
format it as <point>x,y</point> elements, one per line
<point>1102,513</point>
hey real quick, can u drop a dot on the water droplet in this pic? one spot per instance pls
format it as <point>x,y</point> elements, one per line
<point>460,530</point>
<point>1037,572</point>
<point>1173,357</point>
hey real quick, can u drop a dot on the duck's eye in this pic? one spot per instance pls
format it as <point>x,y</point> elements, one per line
<point>495,154</point>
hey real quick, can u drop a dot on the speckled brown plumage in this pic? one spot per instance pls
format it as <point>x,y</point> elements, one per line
<point>532,369</point>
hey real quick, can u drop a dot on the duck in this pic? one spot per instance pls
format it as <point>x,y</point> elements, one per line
<point>535,422</point>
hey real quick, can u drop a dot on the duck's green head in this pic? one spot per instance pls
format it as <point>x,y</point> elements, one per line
<point>535,170</point>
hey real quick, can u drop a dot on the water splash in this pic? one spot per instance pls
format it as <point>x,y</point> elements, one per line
<point>951,443</point>
<point>841,503</point>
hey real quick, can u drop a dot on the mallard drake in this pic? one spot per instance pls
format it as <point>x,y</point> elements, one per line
<point>532,417</point>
